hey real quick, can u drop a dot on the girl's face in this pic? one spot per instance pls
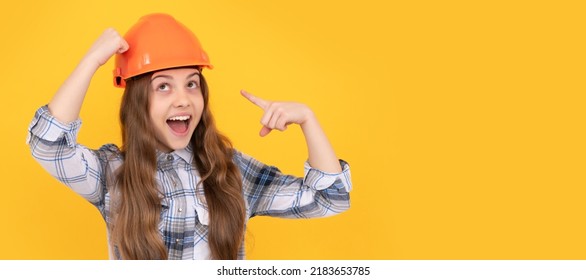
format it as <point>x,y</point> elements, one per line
<point>176,105</point>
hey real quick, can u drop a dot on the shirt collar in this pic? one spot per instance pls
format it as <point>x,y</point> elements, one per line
<point>186,154</point>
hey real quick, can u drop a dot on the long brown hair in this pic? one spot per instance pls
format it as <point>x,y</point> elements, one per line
<point>136,214</point>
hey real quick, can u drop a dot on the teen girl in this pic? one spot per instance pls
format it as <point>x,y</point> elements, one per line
<point>176,189</point>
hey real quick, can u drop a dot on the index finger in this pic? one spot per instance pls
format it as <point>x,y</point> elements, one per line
<point>263,104</point>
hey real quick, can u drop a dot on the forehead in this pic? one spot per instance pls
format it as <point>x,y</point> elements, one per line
<point>176,72</point>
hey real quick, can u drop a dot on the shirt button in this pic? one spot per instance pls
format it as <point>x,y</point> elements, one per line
<point>177,240</point>
<point>180,210</point>
<point>174,184</point>
<point>169,157</point>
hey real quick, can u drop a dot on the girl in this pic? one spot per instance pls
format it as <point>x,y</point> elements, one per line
<point>176,189</point>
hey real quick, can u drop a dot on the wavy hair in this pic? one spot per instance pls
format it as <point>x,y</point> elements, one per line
<point>136,214</point>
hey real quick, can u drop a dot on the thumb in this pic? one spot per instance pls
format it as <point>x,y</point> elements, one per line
<point>123,46</point>
<point>264,131</point>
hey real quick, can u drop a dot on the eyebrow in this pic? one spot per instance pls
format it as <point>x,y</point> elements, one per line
<point>170,77</point>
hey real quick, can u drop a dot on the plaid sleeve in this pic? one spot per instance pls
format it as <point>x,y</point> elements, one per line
<point>53,145</point>
<point>269,192</point>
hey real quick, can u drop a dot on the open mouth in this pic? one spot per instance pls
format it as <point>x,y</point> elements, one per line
<point>179,124</point>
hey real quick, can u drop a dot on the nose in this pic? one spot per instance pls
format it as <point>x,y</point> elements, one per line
<point>181,98</point>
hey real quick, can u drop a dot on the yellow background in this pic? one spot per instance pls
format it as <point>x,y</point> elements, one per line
<point>463,121</point>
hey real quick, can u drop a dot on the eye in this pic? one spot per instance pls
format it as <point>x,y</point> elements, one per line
<point>192,85</point>
<point>163,87</point>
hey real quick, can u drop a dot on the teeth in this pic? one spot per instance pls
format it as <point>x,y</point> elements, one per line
<point>179,118</point>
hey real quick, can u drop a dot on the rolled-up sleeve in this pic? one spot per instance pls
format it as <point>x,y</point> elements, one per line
<point>319,180</point>
<point>54,146</point>
<point>269,192</point>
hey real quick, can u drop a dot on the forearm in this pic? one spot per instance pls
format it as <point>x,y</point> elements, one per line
<point>66,103</point>
<point>321,154</point>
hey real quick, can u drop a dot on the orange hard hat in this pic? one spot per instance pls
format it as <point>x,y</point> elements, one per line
<point>156,42</point>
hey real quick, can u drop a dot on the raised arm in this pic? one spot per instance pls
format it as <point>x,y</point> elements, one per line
<point>66,103</point>
<point>278,115</point>
<point>52,135</point>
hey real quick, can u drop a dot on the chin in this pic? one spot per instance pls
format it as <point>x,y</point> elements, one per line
<point>179,146</point>
<point>170,146</point>
<point>173,142</point>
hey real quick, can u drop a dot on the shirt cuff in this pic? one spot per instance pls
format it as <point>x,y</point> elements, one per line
<point>319,180</point>
<point>47,127</point>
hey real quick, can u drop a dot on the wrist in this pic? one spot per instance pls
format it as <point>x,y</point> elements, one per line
<point>308,116</point>
<point>89,63</point>
<point>309,121</point>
